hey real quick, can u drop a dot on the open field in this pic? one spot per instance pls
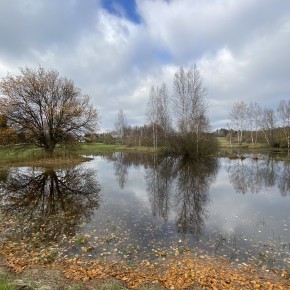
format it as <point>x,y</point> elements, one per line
<point>101,148</point>
<point>224,143</point>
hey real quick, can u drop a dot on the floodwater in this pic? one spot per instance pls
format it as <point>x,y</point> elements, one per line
<point>135,207</point>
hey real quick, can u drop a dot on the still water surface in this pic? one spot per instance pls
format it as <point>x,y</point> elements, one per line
<point>134,207</point>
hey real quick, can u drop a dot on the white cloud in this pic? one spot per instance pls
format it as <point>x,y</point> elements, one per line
<point>241,48</point>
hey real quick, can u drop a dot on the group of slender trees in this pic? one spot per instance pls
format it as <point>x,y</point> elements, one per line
<point>176,122</point>
<point>253,124</point>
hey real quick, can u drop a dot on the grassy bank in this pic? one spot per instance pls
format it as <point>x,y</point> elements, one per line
<point>33,156</point>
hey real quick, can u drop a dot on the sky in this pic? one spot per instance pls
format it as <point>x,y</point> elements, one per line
<point>115,51</point>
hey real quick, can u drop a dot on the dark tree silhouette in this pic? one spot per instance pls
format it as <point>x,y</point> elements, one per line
<point>49,203</point>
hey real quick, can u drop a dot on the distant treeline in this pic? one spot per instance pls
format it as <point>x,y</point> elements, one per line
<point>253,124</point>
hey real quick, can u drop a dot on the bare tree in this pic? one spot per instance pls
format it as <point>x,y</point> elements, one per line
<point>48,108</point>
<point>189,97</point>
<point>151,114</point>
<point>229,134</point>
<point>121,125</point>
<point>267,123</point>
<point>163,112</point>
<point>284,118</point>
<point>238,117</point>
<point>189,106</point>
<point>254,120</point>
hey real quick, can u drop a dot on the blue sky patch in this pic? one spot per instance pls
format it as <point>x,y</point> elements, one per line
<point>123,8</point>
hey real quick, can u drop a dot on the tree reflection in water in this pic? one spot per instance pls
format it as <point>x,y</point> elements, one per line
<point>174,183</point>
<point>159,178</point>
<point>256,175</point>
<point>48,204</point>
<point>192,186</point>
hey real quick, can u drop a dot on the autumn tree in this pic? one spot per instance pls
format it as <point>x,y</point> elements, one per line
<point>7,135</point>
<point>48,108</point>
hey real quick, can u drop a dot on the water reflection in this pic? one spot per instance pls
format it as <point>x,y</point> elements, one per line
<point>175,183</point>
<point>253,176</point>
<point>191,198</point>
<point>159,178</point>
<point>48,203</point>
<point>152,206</point>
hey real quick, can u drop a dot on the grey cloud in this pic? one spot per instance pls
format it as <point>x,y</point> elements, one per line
<point>190,28</point>
<point>36,25</point>
<point>241,47</point>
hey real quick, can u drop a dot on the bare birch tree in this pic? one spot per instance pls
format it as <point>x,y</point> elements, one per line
<point>158,114</point>
<point>151,115</point>
<point>284,118</point>
<point>163,111</point>
<point>253,120</point>
<point>267,123</point>
<point>189,105</point>
<point>238,117</point>
<point>121,125</point>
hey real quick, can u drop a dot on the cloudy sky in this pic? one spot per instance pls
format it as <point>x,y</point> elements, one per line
<point>116,50</point>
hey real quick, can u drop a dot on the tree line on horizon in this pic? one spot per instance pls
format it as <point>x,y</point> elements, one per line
<point>42,108</point>
<point>253,124</point>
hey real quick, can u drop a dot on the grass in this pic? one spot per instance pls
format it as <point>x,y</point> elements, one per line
<point>225,144</point>
<point>9,283</point>
<point>96,148</point>
<point>33,156</point>
<point>5,284</point>
<point>101,148</point>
